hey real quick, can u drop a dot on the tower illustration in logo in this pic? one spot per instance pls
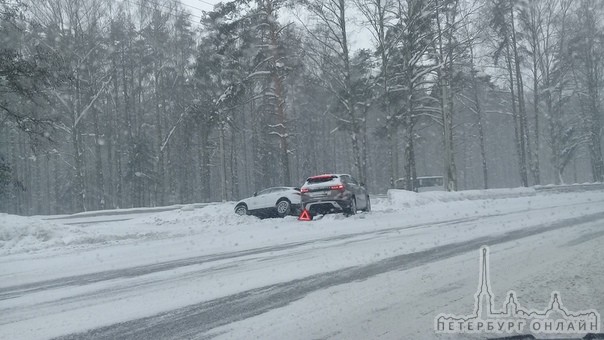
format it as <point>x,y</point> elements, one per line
<point>512,317</point>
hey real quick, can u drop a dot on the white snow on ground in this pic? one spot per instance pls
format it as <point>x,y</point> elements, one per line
<point>403,304</point>
<point>30,234</point>
<point>404,198</point>
<point>34,250</point>
<point>25,234</point>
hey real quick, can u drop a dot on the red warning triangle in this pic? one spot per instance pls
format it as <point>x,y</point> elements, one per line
<point>305,216</point>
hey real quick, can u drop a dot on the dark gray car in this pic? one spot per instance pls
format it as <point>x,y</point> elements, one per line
<point>333,193</point>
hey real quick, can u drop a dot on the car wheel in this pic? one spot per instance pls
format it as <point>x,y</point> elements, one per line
<point>241,209</point>
<point>352,209</point>
<point>368,206</point>
<point>283,207</point>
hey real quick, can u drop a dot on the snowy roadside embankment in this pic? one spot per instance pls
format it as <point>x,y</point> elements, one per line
<point>570,187</point>
<point>218,222</point>
<point>20,234</point>
<point>403,198</point>
<point>186,261</point>
<point>126,211</point>
<point>28,234</point>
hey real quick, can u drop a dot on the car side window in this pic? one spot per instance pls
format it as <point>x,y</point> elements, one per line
<point>264,192</point>
<point>345,179</point>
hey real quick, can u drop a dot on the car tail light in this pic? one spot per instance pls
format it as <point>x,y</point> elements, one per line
<point>304,190</point>
<point>337,187</point>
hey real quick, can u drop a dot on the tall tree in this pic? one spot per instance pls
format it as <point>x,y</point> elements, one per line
<point>503,22</point>
<point>72,28</point>
<point>477,83</point>
<point>589,47</point>
<point>531,24</point>
<point>446,16</point>
<point>276,63</point>
<point>417,36</point>
<point>380,15</point>
<point>333,44</point>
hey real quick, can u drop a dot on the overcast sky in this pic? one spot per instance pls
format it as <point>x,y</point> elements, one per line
<point>196,6</point>
<point>359,36</point>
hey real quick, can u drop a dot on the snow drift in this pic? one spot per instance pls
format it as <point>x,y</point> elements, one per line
<point>404,198</point>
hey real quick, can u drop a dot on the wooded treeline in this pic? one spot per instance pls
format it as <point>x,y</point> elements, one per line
<point>116,104</point>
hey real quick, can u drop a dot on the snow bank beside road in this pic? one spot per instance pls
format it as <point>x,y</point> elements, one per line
<point>18,234</point>
<point>211,215</point>
<point>403,198</point>
<point>126,211</point>
<point>215,227</point>
<point>29,234</point>
<point>186,257</point>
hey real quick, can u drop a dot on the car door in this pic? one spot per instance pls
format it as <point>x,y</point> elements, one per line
<point>257,202</point>
<point>270,199</point>
<point>346,180</point>
<point>359,192</point>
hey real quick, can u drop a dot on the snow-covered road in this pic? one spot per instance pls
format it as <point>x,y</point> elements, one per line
<point>203,273</point>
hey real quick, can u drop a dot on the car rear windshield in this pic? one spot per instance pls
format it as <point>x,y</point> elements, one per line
<point>320,179</point>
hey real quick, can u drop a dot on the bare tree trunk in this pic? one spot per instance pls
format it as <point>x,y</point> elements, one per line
<point>121,189</point>
<point>393,150</point>
<point>204,163</point>
<point>410,167</point>
<point>365,151</point>
<point>595,131</point>
<point>481,137</point>
<point>110,127</point>
<point>594,115</point>
<point>235,154</point>
<point>519,140</point>
<point>78,152</point>
<point>223,176</point>
<point>350,101</point>
<point>446,101</point>
<point>100,176</point>
<point>47,187</point>
<point>536,54</point>
<point>523,128</point>
<point>37,183</point>
<point>479,114</point>
<point>283,134</point>
<point>160,183</point>
<point>280,97</point>
<point>554,100</point>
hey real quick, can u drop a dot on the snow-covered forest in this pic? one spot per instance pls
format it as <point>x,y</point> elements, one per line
<point>115,104</point>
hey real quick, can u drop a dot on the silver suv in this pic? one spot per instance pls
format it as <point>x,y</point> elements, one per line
<point>331,193</point>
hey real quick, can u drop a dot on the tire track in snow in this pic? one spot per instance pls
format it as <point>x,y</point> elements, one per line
<point>131,272</point>
<point>84,279</point>
<point>196,320</point>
